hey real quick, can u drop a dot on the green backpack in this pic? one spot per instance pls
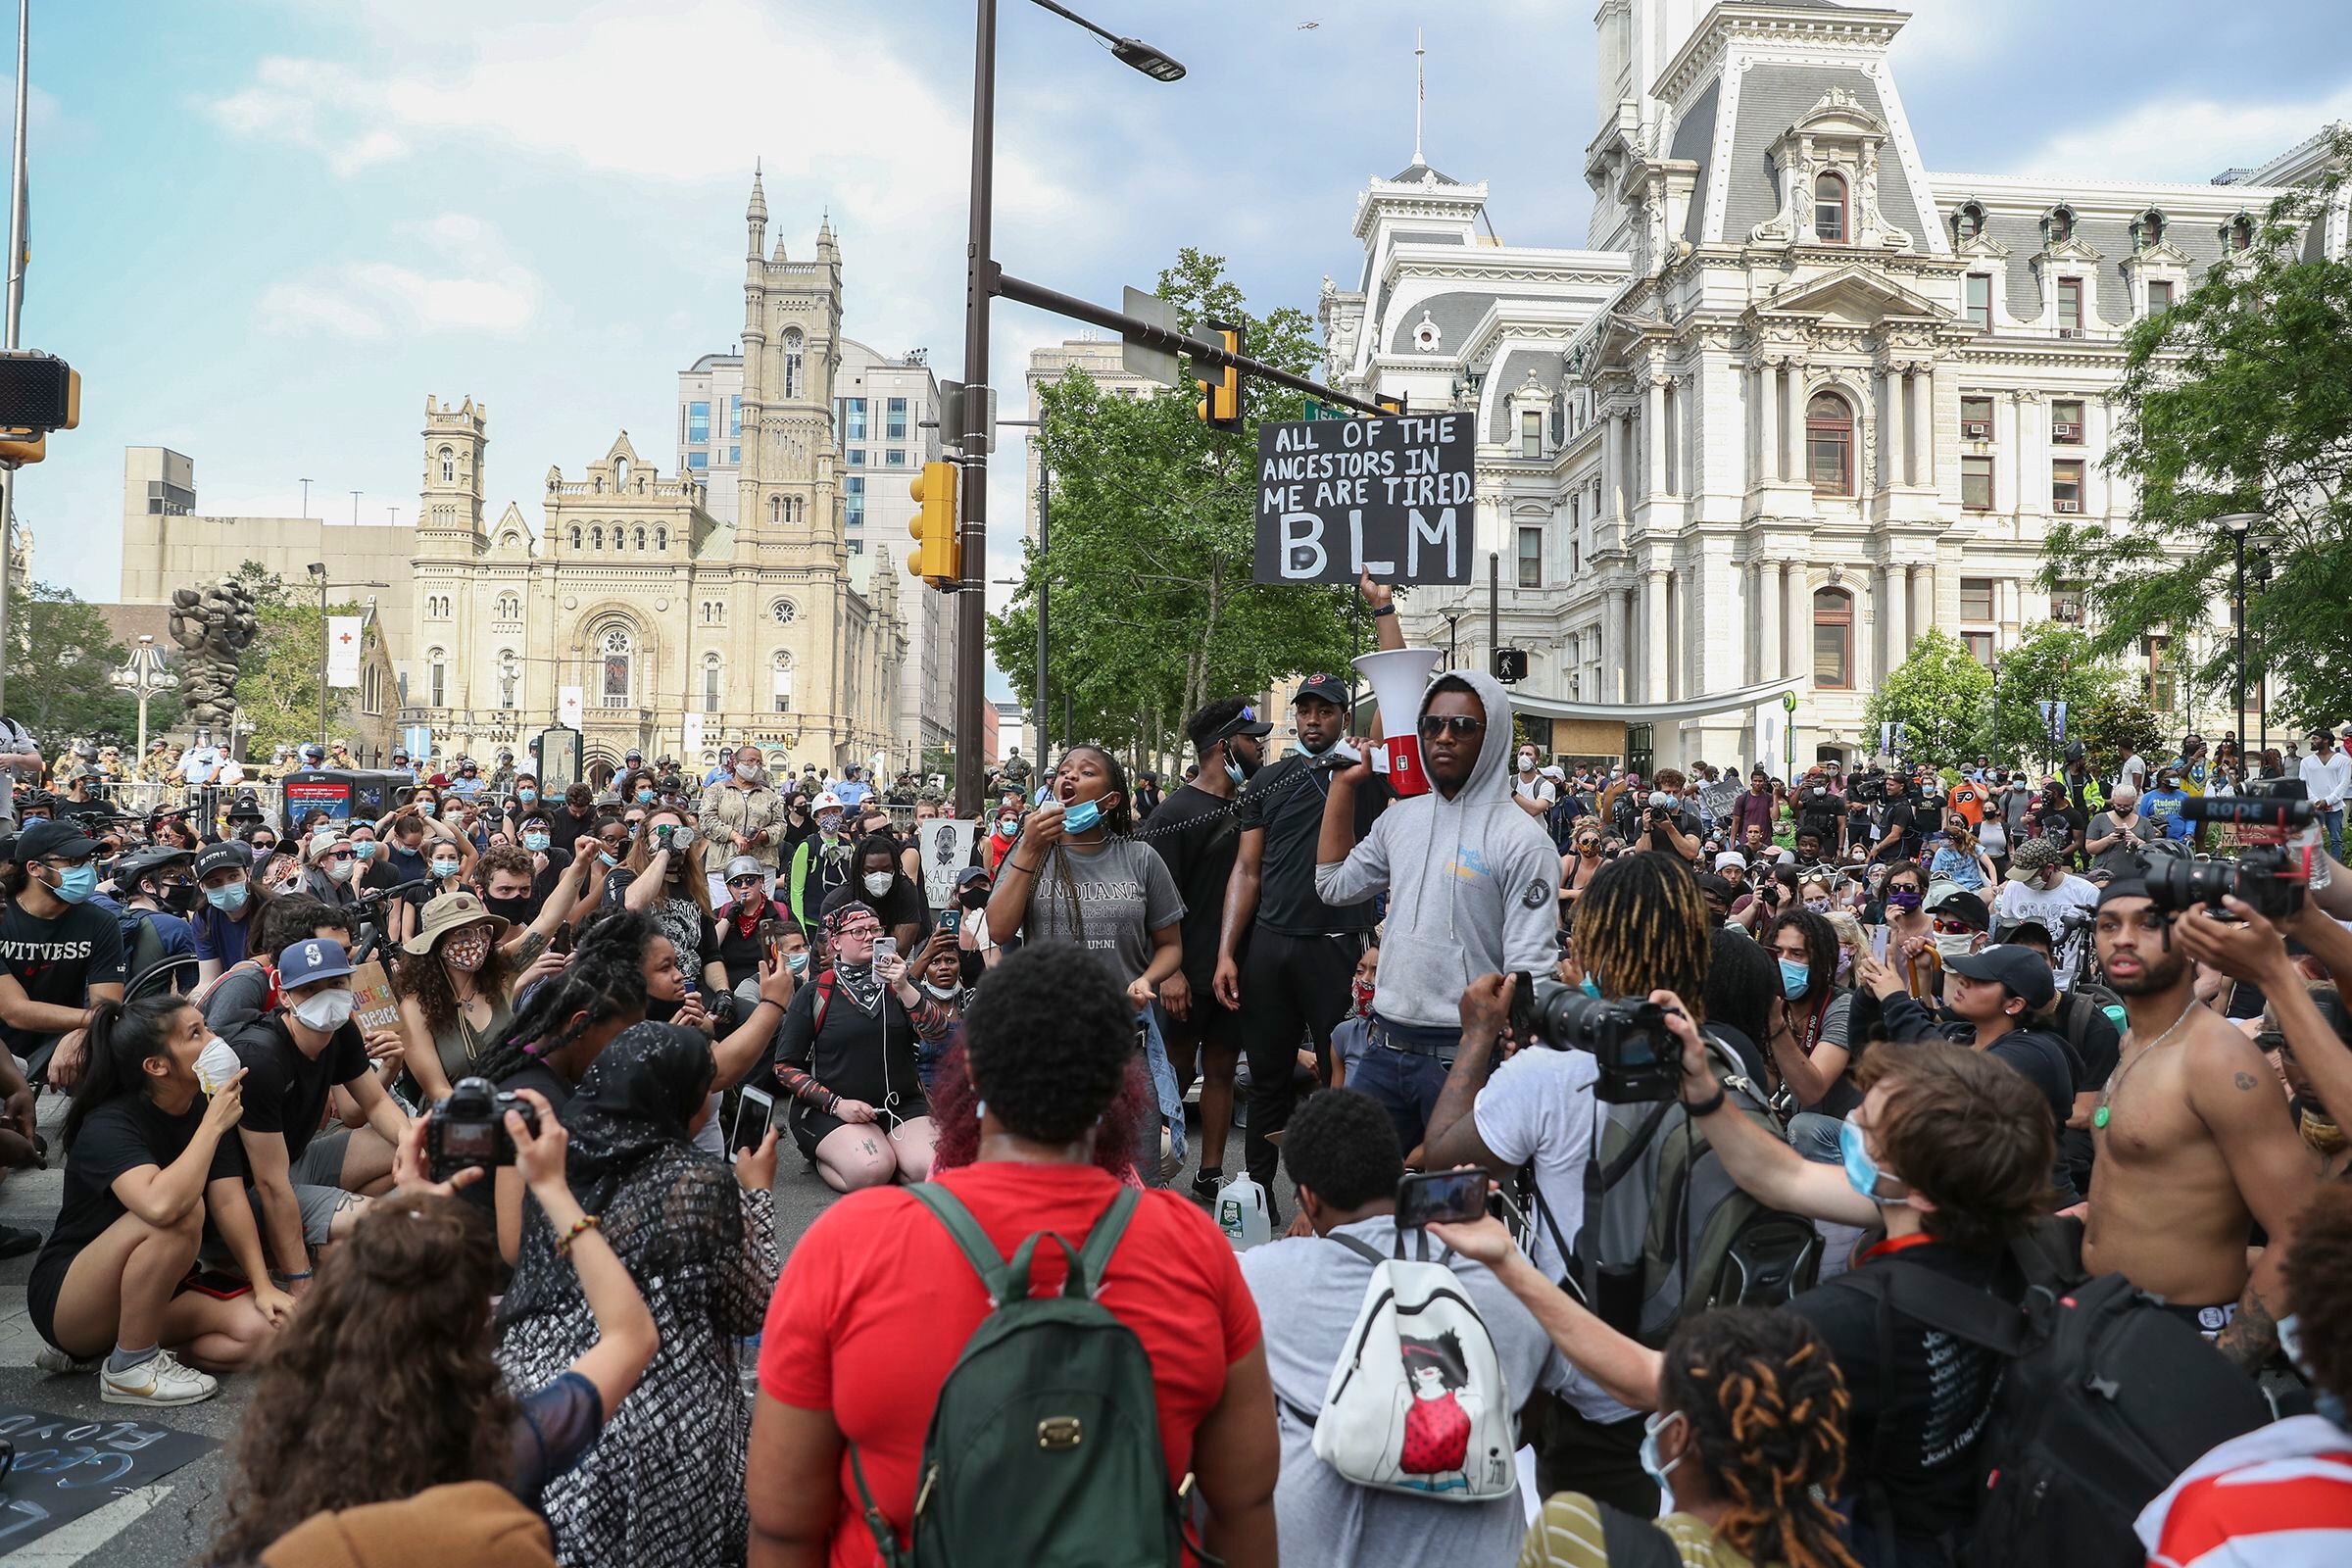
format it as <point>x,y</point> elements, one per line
<point>1044,1449</point>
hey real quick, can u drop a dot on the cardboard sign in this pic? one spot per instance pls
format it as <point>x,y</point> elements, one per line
<point>946,849</point>
<point>67,1466</point>
<point>373,1004</point>
<point>1393,497</point>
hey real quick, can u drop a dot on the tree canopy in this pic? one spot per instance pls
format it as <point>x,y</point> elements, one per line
<point>277,679</point>
<point>2050,663</point>
<point>62,660</point>
<point>1940,696</point>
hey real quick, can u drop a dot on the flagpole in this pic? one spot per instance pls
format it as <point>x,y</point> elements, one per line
<point>1420,93</point>
<point>15,320</point>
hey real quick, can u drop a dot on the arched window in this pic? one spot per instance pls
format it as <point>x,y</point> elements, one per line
<point>1968,223</point>
<point>436,665</point>
<point>775,509</point>
<point>620,473</point>
<point>640,538</point>
<point>1830,444</point>
<point>2239,235</point>
<point>792,362</point>
<point>509,609</point>
<point>1832,639</point>
<point>449,465</point>
<point>596,537</point>
<point>1829,209</point>
<point>616,648</point>
<point>2059,227</point>
<point>711,682</point>
<point>510,677</point>
<point>2147,230</point>
<point>575,536</point>
<point>660,538</point>
<point>779,666</point>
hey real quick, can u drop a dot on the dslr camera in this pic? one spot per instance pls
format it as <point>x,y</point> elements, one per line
<point>2270,878</point>
<point>469,1128</point>
<point>1641,1063</point>
<point>1869,786</point>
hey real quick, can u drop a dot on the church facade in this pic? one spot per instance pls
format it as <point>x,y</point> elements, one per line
<point>1798,399</point>
<point>666,619</point>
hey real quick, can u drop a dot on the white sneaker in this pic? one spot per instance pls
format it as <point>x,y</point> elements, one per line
<point>53,1361</point>
<point>160,1380</point>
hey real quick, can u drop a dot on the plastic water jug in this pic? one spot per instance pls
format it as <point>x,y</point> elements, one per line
<point>1242,1213</point>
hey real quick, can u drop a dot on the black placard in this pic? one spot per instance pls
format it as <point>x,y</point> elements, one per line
<point>1391,496</point>
<point>67,1466</point>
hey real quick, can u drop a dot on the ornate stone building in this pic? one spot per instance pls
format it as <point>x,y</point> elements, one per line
<point>634,592</point>
<point>1800,400</point>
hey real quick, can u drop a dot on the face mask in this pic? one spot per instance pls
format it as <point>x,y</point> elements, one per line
<point>516,912</point>
<point>796,963</point>
<point>468,955</point>
<point>446,869</point>
<point>429,807</point>
<point>1794,978</point>
<point>828,822</point>
<point>1082,816</point>
<point>77,885</point>
<point>1903,899</point>
<point>1862,1172</point>
<point>227,899</point>
<point>1527,762</point>
<point>1006,826</point>
<point>747,772</point>
<point>609,858</point>
<point>1362,993</point>
<point>1954,944</point>
<point>644,797</point>
<point>341,870</point>
<point>1817,905</point>
<point>878,883</point>
<point>940,993</point>
<point>527,797</point>
<point>325,1012</point>
<point>1846,963</point>
<point>534,842</point>
<point>365,850</point>
<point>1652,1466</point>
<point>1592,987</point>
<point>262,852</point>
<point>1240,769</point>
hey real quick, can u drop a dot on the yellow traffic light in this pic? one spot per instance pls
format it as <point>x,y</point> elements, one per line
<point>1221,399</point>
<point>21,447</point>
<point>938,555</point>
<point>72,401</point>
<point>1393,404</point>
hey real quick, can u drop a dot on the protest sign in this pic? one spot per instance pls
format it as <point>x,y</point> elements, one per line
<point>67,1466</point>
<point>946,849</point>
<point>372,1005</point>
<point>1391,496</point>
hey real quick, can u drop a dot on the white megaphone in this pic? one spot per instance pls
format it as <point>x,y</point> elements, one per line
<point>1400,676</point>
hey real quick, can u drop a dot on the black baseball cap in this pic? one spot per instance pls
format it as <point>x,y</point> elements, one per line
<point>54,837</point>
<point>1326,688</point>
<point>1962,905</point>
<point>2039,930</point>
<point>222,857</point>
<point>2024,972</point>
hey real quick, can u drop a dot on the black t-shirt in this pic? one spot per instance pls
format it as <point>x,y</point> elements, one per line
<point>285,1090</point>
<point>740,953</point>
<point>1900,819</point>
<point>1286,799</point>
<point>126,1132</point>
<point>2044,1060</point>
<point>1198,835</point>
<point>540,1076</point>
<point>543,883</point>
<point>57,961</point>
<point>1822,813</point>
<point>1936,1401</point>
<point>568,827</point>
<point>1684,823</point>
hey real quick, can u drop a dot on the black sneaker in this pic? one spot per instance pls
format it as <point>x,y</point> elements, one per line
<point>1205,1183</point>
<point>16,1242</point>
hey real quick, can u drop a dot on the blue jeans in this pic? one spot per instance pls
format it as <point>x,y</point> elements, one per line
<point>2333,822</point>
<point>1405,1084</point>
<point>1815,1136</point>
<point>1167,1106</point>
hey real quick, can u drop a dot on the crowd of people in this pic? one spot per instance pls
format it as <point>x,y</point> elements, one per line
<point>1681,1169</point>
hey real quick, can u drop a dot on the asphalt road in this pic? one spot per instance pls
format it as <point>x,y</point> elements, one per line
<point>166,1525</point>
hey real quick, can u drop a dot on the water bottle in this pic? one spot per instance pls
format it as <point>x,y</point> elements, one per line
<point>1242,1213</point>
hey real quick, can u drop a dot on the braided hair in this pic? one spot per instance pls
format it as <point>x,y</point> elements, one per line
<point>1641,926</point>
<point>1118,822</point>
<point>604,980</point>
<point>1767,1409</point>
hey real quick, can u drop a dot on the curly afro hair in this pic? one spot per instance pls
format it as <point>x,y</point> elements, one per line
<point>1049,1034</point>
<point>1343,1147</point>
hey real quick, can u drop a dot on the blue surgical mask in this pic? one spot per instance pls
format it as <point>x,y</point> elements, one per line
<point>534,842</point>
<point>227,899</point>
<point>608,856</point>
<point>1659,1471</point>
<point>1861,1171</point>
<point>364,850</point>
<point>429,807</point>
<point>1794,977</point>
<point>1082,816</point>
<point>446,869</point>
<point>796,963</point>
<point>527,797</point>
<point>77,885</point>
<point>644,797</point>
<point>1592,987</point>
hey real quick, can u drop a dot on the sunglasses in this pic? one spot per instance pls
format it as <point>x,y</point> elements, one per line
<point>1434,725</point>
<point>745,881</point>
<point>1953,928</point>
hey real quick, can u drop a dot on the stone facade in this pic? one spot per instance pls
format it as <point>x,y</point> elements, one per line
<point>1802,399</point>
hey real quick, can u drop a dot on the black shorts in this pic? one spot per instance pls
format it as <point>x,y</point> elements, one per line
<point>810,1126</point>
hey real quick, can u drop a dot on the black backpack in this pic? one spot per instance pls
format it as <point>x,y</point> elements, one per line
<point>2106,1400</point>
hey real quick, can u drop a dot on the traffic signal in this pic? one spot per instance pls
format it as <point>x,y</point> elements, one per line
<point>938,555</point>
<point>1220,405</point>
<point>39,393</point>
<point>1510,665</point>
<point>1395,404</point>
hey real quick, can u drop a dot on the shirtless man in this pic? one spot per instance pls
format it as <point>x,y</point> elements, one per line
<point>2193,1141</point>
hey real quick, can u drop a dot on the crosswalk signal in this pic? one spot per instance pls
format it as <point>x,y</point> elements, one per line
<point>1393,404</point>
<point>39,393</point>
<point>1220,405</point>
<point>938,555</point>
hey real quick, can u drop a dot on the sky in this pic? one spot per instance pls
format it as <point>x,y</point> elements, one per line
<point>264,231</point>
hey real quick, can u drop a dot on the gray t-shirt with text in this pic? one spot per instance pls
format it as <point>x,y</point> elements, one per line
<point>1124,893</point>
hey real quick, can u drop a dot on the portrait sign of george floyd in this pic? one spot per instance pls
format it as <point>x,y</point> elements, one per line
<point>1389,496</point>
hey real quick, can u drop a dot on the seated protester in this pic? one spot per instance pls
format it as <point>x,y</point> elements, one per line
<point>306,1183</point>
<point>851,1355</point>
<point>1960,860</point>
<point>665,879</point>
<point>847,1057</point>
<point>663,1484</point>
<point>402,833</point>
<point>242,995</point>
<point>149,1160</point>
<point>741,1044</point>
<point>1741,982</point>
<point>365,849</point>
<point>59,955</point>
<point>383,1386</point>
<point>457,991</point>
<point>938,971</point>
<point>2280,1494</point>
<point>749,904</point>
<point>2041,888</point>
<point>532,922</point>
<point>1992,997</point>
<point>549,861</point>
<point>334,870</point>
<point>2094,1047</point>
<point>467,1522</point>
<point>1811,1039</point>
<point>883,887</point>
<point>1340,1149</point>
<point>154,893</point>
<point>1351,1035</point>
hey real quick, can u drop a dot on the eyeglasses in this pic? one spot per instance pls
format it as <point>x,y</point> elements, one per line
<point>1434,725</point>
<point>745,881</point>
<point>1953,928</point>
<point>339,855</point>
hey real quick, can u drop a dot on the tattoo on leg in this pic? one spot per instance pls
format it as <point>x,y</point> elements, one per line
<point>869,1147</point>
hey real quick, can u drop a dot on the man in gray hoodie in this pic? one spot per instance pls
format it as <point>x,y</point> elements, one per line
<point>1473,885</point>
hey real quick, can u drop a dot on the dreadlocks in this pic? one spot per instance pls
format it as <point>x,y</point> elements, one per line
<point>1117,821</point>
<point>604,980</point>
<point>1641,926</point>
<point>1767,1410</point>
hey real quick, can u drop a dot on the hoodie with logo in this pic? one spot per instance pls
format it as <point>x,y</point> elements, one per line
<point>1472,883</point>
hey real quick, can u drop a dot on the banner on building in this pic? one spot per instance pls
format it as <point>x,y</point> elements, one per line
<point>693,740</point>
<point>1393,497</point>
<point>946,848</point>
<point>343,649</point>
<point>571,708</point>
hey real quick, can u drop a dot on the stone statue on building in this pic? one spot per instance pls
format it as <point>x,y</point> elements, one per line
<point>213,626</point>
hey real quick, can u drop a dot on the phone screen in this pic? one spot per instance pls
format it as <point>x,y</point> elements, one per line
<point>755,1113</point>
<point>1878,942</point>
<point>1449,1197</point>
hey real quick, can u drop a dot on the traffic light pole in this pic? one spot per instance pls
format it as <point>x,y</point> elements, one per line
<point>15,317</point>
<point>972,594</point>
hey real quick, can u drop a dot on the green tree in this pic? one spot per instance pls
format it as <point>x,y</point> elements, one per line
<point>1153,609</point>
<point>2053,664</point>
<point>2238,399</point>
<point>62,660</point>
<point>1939,695</point>
<point>2119,724</point>
<point>278,677</point>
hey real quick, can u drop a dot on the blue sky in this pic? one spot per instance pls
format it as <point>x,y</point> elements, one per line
<point>266,229</point>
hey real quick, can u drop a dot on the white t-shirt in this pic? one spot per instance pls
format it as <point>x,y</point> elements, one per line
<point>2051,907</point>
<point>2135,772</point>
<point>1538,788</point>
<point>2326,781</point>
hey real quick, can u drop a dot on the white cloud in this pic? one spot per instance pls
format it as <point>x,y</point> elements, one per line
<point>2185,138</point>
<point>476,287</point>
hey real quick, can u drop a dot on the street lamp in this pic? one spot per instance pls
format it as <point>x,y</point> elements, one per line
<point>142,677</point>
<point>980,282</point>
<point>2238,522</point>
<point>1454,618</point>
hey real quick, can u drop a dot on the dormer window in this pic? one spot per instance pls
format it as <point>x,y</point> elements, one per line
<point>2059,227</point>
<point>2238,235</point>
<point>2147,230</point>
<point>1968,223</point>
<point>1829,209</point>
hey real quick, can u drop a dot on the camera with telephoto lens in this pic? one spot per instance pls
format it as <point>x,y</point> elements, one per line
<point>2271,880</point>
<point>469,1128</point>
<point>1639,1061</point>
<point>1869,786</point>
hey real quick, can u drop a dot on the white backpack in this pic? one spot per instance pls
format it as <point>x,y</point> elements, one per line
<point>1417,1403</point>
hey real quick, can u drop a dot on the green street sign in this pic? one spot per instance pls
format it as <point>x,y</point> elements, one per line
<point>1789,701</point>
<point>1316,409</point>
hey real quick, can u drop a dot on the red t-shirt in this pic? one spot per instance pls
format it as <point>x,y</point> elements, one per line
<point>877,1300</point>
